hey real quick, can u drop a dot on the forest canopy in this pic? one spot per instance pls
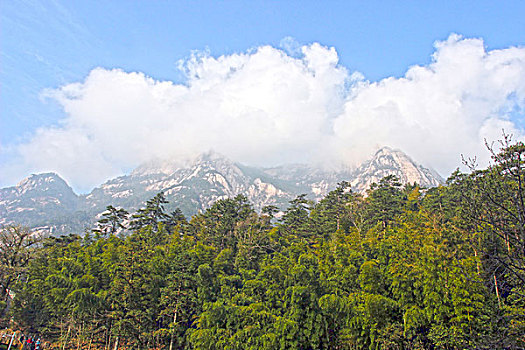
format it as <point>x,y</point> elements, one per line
<point>400,268</point>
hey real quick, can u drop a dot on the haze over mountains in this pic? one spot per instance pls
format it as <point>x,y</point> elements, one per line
<point>46,202</point>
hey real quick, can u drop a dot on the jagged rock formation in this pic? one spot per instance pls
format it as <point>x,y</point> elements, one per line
<point>46,202</point>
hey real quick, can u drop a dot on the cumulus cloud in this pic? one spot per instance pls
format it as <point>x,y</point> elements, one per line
<point>268,106</point>
<point>438,111</point>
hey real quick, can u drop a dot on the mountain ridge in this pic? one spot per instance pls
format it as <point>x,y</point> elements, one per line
<point>47,202</point>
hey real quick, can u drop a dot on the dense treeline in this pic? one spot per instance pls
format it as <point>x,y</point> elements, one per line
<point>402,268</point>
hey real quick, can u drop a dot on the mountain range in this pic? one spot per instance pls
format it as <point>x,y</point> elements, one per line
<point>46,203</point>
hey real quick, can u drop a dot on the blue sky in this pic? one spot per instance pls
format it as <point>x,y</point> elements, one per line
<point>48,44</point>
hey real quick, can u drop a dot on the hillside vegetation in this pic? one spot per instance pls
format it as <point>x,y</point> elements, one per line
<point>401,268</point>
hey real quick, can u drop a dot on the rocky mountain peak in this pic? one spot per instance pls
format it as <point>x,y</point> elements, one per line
<point>211,156</point>
<point>212,160</point>
<point>38,200</point>
<point>388,161</point>
<point>169,166</point>
<point>157,167</point>
<point>43,183</point>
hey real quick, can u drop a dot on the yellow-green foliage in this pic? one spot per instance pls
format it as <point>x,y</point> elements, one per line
<point>402,268</point>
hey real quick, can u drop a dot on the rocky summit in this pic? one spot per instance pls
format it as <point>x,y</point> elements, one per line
<point>45,202</point>
<point>388,161</point>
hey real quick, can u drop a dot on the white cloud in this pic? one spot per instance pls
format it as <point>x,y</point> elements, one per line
<point>266,107</point>
<point>438,111</point>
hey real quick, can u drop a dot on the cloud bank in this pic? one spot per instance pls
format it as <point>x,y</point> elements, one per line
<point>266,107</point>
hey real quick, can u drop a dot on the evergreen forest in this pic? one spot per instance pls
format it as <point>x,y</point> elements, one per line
<point>400,268</point>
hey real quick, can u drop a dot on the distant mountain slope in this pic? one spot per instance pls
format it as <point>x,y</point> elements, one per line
<point>47,202</point>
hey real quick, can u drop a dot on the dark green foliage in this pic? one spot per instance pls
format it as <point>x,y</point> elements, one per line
<point>111,221</point>
<point>385,202</point>
<point>332,213</point>
<point>402,268</point>
<point>152,215</point>
<point>295,219</point>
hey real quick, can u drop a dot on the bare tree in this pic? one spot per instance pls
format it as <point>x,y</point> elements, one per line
<point>16,247</point>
